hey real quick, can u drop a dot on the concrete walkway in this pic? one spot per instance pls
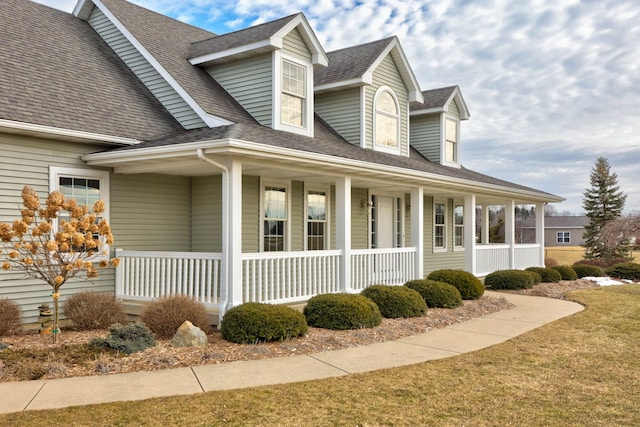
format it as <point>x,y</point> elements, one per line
<point>529,313</point>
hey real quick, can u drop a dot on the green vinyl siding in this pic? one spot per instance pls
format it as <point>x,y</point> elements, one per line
<point>295,45</point>
<point>148,75</point>
<point>439,260</point>
<point>341,110</point>
<point>359,219</point>
<point>425,136</point>
<point>250,214</point>
<point>453,109</point>
<point>297,216</point>
<point>250,82</point>
<point>206,207</point>
<point>387,74</point>
<point>150,212</point>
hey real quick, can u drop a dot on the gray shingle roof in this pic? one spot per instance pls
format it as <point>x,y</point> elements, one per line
<point>168,40</point>
<point>238,38</point>
<point>351,62</point>
<point>435,98</point>
<point>56,71</point>
<point>560,222</point>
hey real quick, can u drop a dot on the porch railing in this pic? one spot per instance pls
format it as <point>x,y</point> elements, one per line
<point>527,255</point>
<point>490,258</point>
<point>282,277</point>
<point>143,275</point>
<point>386,266</point>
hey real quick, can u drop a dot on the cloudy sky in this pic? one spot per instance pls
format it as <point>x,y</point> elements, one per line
<point>551,84</point>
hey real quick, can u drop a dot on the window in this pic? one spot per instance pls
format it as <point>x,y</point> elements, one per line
<point>317,220</point>
<point>387,120</point>
<point>275,219</point>
<point>293,94</point>
<point>563,237</point>
<point>439,226</point>
<point>458,224</point>
<point>451,141</point>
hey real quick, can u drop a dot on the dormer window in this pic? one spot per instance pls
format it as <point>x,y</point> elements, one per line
<point>387,121</point>
<point>293,94</point>
<point>451,141</point>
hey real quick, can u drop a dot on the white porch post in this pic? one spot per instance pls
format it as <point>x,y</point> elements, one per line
<point>470,233</point>
<point>510,230</point>
<point>343,230</point>
<point>484,226</point>
<point>231,286</point>
<point>540,230</point>
<point>417,229</point>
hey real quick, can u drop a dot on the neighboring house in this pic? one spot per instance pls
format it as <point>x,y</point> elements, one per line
<point>558,230</point>
<point>251,166</point>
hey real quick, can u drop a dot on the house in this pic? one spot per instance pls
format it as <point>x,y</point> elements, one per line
<point>250,166</point>
<point>558,230</point>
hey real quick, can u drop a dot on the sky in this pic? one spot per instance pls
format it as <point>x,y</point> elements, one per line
<point>551,85</point>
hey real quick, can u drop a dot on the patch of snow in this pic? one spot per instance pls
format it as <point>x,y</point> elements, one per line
<point>606,281</point>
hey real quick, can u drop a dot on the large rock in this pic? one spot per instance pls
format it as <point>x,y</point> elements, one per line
<point>189,336</point>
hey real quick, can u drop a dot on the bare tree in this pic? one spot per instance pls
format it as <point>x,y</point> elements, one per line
<point>620,230</point>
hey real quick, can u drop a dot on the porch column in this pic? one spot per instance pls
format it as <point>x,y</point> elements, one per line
<point>417,229</point>
<point>510,230</point>
<point>231,288</point>
<point>470,233</point>
<point>540,231</point>
<point>343,230</point>
<point>484,226</point>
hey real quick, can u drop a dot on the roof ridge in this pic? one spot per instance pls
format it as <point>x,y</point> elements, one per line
<point>363,44</point>
<point>253,27</point>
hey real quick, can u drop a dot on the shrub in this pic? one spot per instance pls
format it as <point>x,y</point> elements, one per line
<point>342,311</point>
<point>566,272</point>
<point>10,317</point>
<point>470,286</point>
<point>93,310</point>
<point>396,301</point>
<point>602,263</point>
<point>625,270</point>
<point>254,322</point>
<point>511,279</point>
<point>586,270</point>
<point>165,315</point>
<point>550,262</point>
<point>128,339</point>
<point>436,294</point>
<point>547,274</point>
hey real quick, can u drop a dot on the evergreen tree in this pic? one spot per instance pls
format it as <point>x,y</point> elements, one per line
<point>602,203</point>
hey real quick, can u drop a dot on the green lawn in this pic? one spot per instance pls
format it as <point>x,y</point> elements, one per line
<point>578,371</point>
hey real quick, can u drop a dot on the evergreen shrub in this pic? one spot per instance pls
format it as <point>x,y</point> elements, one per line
<point>586,270</point>
<point>128,339</point>
<point>342,311</point>
<point>470,286</point>
<point>254,322</point>
<point>511,279</point>
<point>10,317</point>
<point>547,274</point>
<point>93,310</point>
<point>566,272</point>
<point>396,301</point>
<point>436,294</point>
<point>625,270</point>
<point>165,315</point>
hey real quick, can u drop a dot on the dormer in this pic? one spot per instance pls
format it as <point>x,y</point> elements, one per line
<point>365,93</point>
<point>435,125</point>
<point>268,69</point>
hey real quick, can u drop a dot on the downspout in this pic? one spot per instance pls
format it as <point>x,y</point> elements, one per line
<point>225,231</point>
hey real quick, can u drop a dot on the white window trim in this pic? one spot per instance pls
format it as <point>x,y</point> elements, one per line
<point>327,191</point>
<point>560,236</point>
<point>453,221</point>
<point>403,214</point>
<point>275,183</point>
<point>446,226</point>
<point>307,128</point>
<point>443,142</point>
<point>56,172</point>
<point>385,148</point>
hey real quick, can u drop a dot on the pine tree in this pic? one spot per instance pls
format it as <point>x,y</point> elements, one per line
<point>603,202</point>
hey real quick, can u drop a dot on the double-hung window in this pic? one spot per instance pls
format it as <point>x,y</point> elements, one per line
<point>563,237</point>
<point>439,226</point>
<point>275,206</point>
<point>458,226</point>
<point>451,140</point>
<point>293,99</point>
<point>317,202</point>
<point>387,120</point>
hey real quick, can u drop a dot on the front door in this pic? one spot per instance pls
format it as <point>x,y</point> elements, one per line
<point>385,222</point>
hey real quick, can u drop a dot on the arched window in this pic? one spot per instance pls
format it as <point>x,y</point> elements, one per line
<point>387,119</point>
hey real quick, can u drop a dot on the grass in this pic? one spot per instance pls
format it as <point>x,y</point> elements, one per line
<point>568,255</point>
<point>580,370</point>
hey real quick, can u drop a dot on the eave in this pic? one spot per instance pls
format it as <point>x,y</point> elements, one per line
<point>50,132</point>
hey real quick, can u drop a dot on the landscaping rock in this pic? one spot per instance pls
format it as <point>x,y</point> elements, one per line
<point>189,335</point>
